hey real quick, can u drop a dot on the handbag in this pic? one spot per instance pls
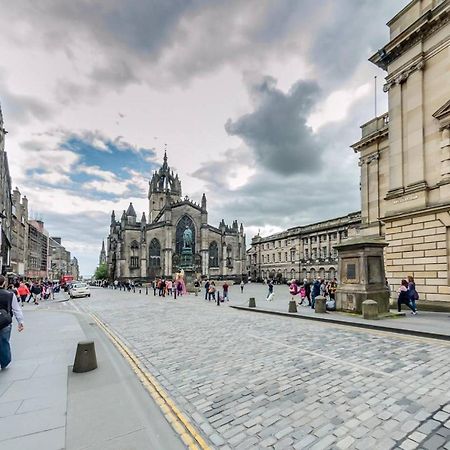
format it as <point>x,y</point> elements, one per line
<point>5,319</point>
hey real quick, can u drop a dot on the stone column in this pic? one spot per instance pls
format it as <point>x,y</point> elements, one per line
<point>415,163</point>
<point>396,140</point>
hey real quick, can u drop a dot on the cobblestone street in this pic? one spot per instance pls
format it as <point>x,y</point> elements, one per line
<point>255,381</point>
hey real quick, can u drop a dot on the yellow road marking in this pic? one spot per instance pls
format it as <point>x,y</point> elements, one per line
<point>179,422</point>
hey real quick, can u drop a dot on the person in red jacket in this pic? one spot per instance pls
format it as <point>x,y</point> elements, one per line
<point>23,292</point>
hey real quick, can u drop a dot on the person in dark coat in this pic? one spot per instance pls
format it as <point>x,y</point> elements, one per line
<point>403,298</point>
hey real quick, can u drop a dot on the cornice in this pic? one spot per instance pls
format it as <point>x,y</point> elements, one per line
<point>422,28</point>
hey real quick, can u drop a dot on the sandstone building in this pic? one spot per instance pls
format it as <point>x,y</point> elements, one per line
<point>141,249</point>
<point>301,252</point>
<point>405,154</point>
<point>19,233</point>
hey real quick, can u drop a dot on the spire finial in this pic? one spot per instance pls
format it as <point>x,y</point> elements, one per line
<point>165,153</point>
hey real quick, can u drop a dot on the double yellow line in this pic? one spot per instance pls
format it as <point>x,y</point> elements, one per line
<point>179,422</point>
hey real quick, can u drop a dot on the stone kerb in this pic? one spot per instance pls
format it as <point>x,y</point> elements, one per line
<point>320,304</point>
<point>370,309</point>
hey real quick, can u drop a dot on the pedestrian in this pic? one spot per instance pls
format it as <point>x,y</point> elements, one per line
<point>323,288</point>
<point>207,289</point>
<point>225,292</point>
<point>23,292</point>
<point>169,286</point>
<point>179,288</point>
<point>332,289</point>
<point>307,285</point>
<point>270,292</point>
<point>196,286</point>
<point>10,307</point>
<point>293,289</point>
<point>403,297</point>
<point>212,291</point>
<point>315,291</point>
<point>413,295</point>
<point>242,286</point>
<point>302,295</point>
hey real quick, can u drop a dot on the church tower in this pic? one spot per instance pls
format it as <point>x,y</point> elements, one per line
<point>102,258</point>
<point>162,185</point>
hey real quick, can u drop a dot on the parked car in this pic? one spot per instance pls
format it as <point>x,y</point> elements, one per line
<point>79,290</point>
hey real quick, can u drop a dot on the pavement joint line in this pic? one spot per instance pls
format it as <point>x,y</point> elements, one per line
<point>179,422</point>
<point>366,326</point>
<point>379,372</point>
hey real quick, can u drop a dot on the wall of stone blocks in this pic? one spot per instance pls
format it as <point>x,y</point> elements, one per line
<point>419,246</point>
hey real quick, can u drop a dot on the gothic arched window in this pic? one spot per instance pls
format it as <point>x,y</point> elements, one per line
<point>213,254</point>
<point>134,255</point>
<point>154,253</point>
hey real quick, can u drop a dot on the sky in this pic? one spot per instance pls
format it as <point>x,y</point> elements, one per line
<point>257,101</point>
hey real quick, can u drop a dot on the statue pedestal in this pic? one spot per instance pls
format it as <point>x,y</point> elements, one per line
<point>361,274</point>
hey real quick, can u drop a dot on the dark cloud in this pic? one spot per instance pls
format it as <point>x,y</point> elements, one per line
<point>21,109</point>
<point>276,130</point>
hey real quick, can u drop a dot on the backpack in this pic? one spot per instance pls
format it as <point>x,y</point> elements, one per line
<point>6,316</point>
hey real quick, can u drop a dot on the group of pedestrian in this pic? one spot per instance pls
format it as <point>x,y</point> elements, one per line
<point>212,293</point>
<point>33,291</point>
<point>407,295</point>
<point>308,290</point>
<point>166,287</point>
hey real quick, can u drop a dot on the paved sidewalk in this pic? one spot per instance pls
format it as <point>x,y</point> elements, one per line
<point>44,405</point>
<point>425,323</point>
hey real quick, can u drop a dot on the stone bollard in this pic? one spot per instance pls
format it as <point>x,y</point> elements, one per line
<point>251,302</point>
<point>370,309</point>
<point>292,306</point>
<point>320,304</point>
<point>85,357</point>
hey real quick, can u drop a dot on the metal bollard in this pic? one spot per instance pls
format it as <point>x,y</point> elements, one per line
<point>139,291</point>
<point>251,302</point>
<point>85,357</point>
<point>146,291</point>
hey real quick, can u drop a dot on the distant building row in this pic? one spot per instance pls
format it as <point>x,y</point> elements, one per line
<point>300,252</point>
<point>26,249</point>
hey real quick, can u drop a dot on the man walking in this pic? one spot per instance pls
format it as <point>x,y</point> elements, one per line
<point>8,303</point>
<point>206,289</point>
<point>225,292</point>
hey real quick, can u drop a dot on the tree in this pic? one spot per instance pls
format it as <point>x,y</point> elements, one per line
<point>101,272</point>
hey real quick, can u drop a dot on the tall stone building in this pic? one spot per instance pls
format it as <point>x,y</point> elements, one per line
<point>38,251</point>
<point>405,154</point>
<point>60,259</point>
<point>19,233</point>
<point>301,252</point>
<point>141,249</point>
<point>5,203</point>
<point>74,268</point>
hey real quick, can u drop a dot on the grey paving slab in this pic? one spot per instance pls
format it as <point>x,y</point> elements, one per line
<point>314,383</point>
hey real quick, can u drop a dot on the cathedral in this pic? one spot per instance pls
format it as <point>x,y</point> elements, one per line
<point>147,249</point>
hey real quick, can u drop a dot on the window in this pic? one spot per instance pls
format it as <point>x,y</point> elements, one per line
<point>324,252</point>
<point>292,255</point>
<point>134,255</point>
<point>214,255</point>
<point>285,256</point>
<point>154,253</point>
<point>306,253</point>
<point>279,256</point>
<point>134,262</point>
<point>273,257</point>
<point>314,253</point>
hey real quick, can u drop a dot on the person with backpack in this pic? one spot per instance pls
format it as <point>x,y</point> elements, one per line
<point>225,291</point>
<point>293,290</point>
<point>315,292</point>
<point>9,307</point>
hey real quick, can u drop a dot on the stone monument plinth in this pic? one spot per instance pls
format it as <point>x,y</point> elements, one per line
<point>361,275</point>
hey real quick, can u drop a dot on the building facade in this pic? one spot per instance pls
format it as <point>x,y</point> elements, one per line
<point>19,233</point>
<point>141,249</point>
<point>405,154</point>
<point>59,258</point>
<point>300,252</point>
<point>74,268</point>
<point>38,251</point>
<point>5,204</point>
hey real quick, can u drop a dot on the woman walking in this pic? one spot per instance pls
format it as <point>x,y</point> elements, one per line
<point>412,293</point>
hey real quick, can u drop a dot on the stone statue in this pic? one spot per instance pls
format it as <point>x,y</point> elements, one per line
<point>187,238</point>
